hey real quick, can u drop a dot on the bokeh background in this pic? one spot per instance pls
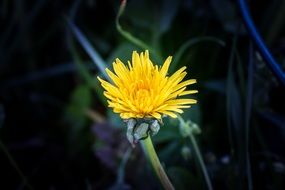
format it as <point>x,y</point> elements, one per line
<point>56,131</point>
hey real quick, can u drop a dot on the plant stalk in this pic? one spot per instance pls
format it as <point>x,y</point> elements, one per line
<point>15,166</point>
<point>200,160</point>
<point>153,158</point>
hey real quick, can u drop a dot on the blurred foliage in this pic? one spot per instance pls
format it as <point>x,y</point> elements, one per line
<point>56,131</point>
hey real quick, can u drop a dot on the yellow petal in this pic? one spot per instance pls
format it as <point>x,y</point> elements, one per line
<point>165,66</point>
<point>188,92</point>
<point>144,90</point>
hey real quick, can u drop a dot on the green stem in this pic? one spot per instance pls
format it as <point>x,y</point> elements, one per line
<point>200,160</point>
<point>14,164</point>
<point>152,156</point>
<point>131,37</point>
<point>126,34</point>
<point>121,171</point>
<point>188,129</point>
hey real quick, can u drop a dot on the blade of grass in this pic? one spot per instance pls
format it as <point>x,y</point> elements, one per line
<point>35,76</point>
<point>85,74</point>
<point>275,68</point>
<point>241,130</point>
<point>248,108</point>
<point>121,170</point>
<point>177,56</point>
<point>15,166</point>
<point>236,119</point>
<point>10,40</point>
<point>240,74</point>
<point>228,87</point>
<point>94,55</point>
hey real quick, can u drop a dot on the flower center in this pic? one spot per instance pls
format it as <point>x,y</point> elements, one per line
<point>140,94</point>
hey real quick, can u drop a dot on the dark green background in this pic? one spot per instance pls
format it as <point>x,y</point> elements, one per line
<point>47,81</point>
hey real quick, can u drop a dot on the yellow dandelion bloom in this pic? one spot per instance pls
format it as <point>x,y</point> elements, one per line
<point>144,90</point>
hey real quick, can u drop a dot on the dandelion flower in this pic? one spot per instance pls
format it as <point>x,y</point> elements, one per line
<point>142,89</point>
